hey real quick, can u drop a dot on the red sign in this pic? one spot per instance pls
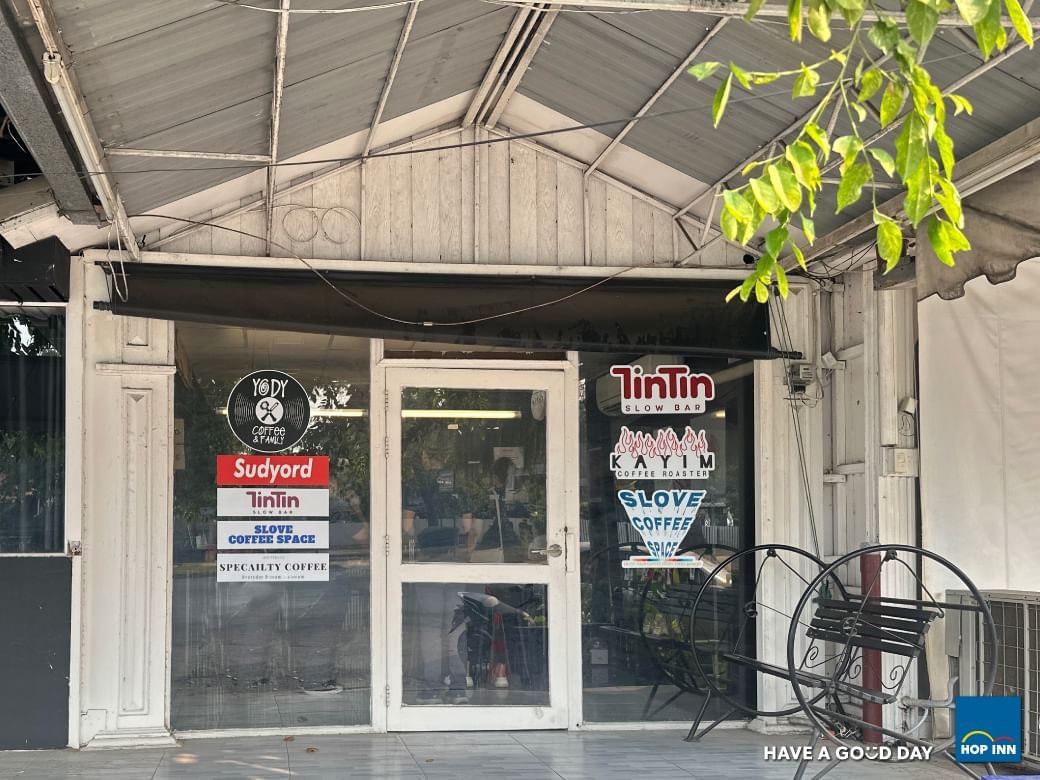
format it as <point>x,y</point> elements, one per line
<point>273,470</point>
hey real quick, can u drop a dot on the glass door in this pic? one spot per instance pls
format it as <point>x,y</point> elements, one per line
<point>477,491</point>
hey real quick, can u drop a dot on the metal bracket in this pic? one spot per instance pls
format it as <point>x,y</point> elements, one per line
<point>74,548</point>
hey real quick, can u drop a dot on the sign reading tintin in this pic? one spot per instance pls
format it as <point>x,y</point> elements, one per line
<point>668,390</point>
<point>663,518</point>
<point>268,411</point>
<point>639,455</point>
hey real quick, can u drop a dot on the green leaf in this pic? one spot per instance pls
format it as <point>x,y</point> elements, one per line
<point>718,106</point>
<point>960,104</point>
<point>738,205</point>
<point>753,9</point>
<point>794,19</point>
<point>765,195</point>
<point>748,286</point>
<point>750,167</point>
<point>819,137</point>
<point>892,102</point>
<point>885,35</point>
<point>989,32</point>
<point>761,292</point>
<point>702,70</point>
<point>973,11</point>
<point>921,21</point>
<point>849,147</point>
<point>764,78</point>
<point>911,146</point>
<point>950,200</point>
<point>785,183</point>
<point>756,220</point>
<point>809,229</point>
<point>1020,21</point>
<point>781,279</point>
<point>861,113</point>
<point>945,145</point>
<point>819,20</point>
<point>805,84</point>
<point>889,240</point>
<point>918,198</point>
<point>730,225</point>
<point>871,83</point>
<point>797,252</point>
<point>741,76</point>
<point>732,294</point>
<point>946,239</point>
<point>803,162</point>
<point>851,187</point>
<point>775,240</point>
<point>884,159</point>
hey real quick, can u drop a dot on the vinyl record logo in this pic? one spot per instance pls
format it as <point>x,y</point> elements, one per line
<point>268,411</point>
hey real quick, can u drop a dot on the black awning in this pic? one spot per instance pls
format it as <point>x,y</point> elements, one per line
<point>663,316</point>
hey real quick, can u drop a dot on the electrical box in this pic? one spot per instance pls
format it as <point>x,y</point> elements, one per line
<point>801,375</point>
<point>900,462</point>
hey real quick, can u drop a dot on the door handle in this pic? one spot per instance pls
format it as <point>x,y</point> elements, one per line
<point>553,551</point>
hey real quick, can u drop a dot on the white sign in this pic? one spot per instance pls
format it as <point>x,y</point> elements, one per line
<point>272,502</point>
<point>668,390</point>
<point>639,455</point>
<point>662,518</point>
<point>272,567</point>
<point>278,534</point>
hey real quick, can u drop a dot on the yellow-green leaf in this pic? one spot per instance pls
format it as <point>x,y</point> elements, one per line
<point>852,182</point>
<point>781,279</point>
<point>1020,21</point>
<point>794,19</point>
<point>730,225</point>
<point>718,105</point>
<point>741,76</point>
<point>884,159</point>
<point>765,195</point>
<point>775,240</point>
<point>889,240</point>
<point>960,104</point>
<point>761,292</point>
<point>797,252</point>
<point>973,11</point>
<point>911,146</point>
<point>921,21</point>
<point>803,162</point>
<point>989,31</point>
<point>945,145</point>
<point>819,20</point>
<point>805,84</point>
<point>785,183</point>
<point>819,137</point>
<point>892,102</point>
<point>871,83</point>
<point>946,239</point>
<point>732,294</point>
<point>950,200</point>
<point>753,8</point>
<point>738,205</point>
<point>702,70</point>
<point>764,78</point>
<point>918,200</point>
<point>809,229</point>
<point>849,147</point>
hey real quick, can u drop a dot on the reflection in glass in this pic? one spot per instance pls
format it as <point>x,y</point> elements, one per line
<point>32,432</point>
<point>473,475</point>
<point>473,644</point>
<point>270,654</point>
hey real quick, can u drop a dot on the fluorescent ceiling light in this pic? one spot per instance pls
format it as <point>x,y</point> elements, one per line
<point>463,414</point>
<point>317,412</point>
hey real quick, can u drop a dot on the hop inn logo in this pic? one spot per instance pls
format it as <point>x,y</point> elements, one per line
<point>989,729</point>
<point>639,455</point>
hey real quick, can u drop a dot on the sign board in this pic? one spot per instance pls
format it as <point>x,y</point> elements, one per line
<point>662,518</point>
<point>272,567</point>
<point>296,470</point>
<point>667,390</point>
<point>639,455</point>
<point>272,502</point>
<point>268,411</point>
<point>273,534</point>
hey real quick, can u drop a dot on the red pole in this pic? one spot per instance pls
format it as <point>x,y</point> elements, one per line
<point>869,572</point>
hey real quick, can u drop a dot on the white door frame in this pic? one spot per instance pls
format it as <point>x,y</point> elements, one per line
<point>559,378</point>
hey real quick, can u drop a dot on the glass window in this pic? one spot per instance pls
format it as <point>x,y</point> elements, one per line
<point>636,630</point>
<point>267,653</point>
<point>32,431</point>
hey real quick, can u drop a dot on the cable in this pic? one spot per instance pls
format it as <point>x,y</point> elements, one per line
<point>390,318</point>
<point>359,9</point>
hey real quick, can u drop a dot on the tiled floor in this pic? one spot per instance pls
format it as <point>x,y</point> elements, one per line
<point>589,755</point>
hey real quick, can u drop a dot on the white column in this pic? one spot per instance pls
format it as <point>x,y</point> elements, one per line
<point>127,507</point>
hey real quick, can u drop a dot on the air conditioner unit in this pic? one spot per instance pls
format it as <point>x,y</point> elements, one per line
<point>1016,616</point>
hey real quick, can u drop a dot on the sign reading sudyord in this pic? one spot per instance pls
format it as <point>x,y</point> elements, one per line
<point>272,502</point>
<point>296,470</point>
<point>275,534</point>
<point>272,567</point>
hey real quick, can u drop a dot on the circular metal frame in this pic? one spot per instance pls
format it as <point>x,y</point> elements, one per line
<point>770,550</point>
<point>889,550</point>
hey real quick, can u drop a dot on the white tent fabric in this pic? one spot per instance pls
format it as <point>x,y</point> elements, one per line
<point>980,429</point>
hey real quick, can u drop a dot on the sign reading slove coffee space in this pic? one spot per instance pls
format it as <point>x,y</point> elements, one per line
<point>269,411</point>
<point>662,518</point>
<point>668,390</point>
<point>639,455</point>
<point>273,535</point>
<point>273,567</point>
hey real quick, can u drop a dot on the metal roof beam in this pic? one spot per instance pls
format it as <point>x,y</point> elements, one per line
<point>22,94</point>
<point>280,45</point>
<point>391,74</point>
<point>494,70</point>
<point>176,154</point>
<point>531,46</point>
<point>976,171</point>
<point>725,8</point>
<point>694,53</point>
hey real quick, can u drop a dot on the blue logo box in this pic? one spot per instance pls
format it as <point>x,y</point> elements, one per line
<point>988,729</point>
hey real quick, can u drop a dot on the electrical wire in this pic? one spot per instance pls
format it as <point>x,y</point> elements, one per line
<point>388,317</point>
<point>313,11</point>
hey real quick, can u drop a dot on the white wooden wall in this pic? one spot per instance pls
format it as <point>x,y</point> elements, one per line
<point>510,202</point>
